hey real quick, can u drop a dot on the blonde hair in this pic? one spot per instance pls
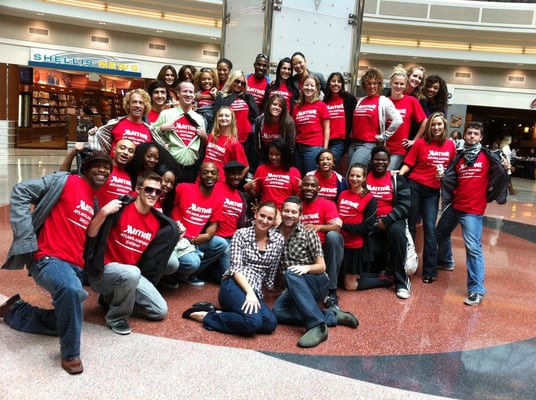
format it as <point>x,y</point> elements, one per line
<point>145,97</point>
<point>213,75</point>
<point>226,91</point>
<point>507,140</point>
<point>399,70</point>
<point>216,131</point>
<point>316,96</point>
<point>428,130</point>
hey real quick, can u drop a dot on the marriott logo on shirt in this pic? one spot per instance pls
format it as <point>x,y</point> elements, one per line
<point>353,204</point>
<point>435,153</point>
<point>475,165</point>
<point>138,232</point>
<point>129,134</point>
<point>85,207</point>
<point>116,179</point>
<point>201,210</point>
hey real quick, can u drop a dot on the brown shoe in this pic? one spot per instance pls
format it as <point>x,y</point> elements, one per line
<point>4,307</point>
<point>73,366</point>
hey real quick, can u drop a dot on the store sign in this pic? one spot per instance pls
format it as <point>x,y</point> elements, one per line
<point>83,62</point>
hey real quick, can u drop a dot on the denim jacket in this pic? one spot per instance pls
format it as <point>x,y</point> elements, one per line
<point>42,192</point>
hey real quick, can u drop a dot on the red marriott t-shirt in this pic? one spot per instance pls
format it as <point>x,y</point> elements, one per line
<point>351,208</point>
<point>470,194</point>
<point>194,210</point>
<point>126,129</point>
<point>63,234</point>
<point>319,212</point>
<point>382,190</point>
<point>130,237</point>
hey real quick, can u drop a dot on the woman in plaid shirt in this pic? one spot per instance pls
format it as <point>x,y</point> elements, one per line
<point>255,255</point>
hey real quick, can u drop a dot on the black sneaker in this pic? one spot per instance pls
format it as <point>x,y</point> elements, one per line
<point>120,327</point>
<point>474,299</point>
<point>332,301</point>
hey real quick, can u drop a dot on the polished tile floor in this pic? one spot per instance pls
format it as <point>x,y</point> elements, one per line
<point>429,345</point>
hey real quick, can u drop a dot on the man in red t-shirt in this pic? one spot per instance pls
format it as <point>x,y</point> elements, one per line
<point>121,284</point>
<point>199,208</point>
<point>473,179</point>
<point>50,240</point>
<point>321,215</point>
<point>158,92</point>
<point>258,81</point>
<point>118,183</point>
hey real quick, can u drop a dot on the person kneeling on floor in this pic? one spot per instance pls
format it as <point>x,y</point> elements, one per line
<point>128,257</point>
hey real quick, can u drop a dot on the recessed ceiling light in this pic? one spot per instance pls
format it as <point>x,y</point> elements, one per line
<point>159,31</point>
<point>102,23</point>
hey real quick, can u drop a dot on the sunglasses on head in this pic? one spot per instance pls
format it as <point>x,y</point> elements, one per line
<point>152,191</point>
<point>206,69</point>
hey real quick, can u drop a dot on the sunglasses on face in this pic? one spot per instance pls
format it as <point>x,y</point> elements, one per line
<point>239,82</point>
<point>151,190</point>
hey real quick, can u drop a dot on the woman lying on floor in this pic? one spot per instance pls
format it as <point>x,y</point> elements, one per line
<point>255,252</point>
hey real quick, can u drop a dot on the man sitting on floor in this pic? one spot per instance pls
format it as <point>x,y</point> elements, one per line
<point>306,280</point>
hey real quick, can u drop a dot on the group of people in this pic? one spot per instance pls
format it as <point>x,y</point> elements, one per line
<point>164,198</point>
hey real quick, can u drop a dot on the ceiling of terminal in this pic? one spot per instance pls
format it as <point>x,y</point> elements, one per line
<point>200,20</point>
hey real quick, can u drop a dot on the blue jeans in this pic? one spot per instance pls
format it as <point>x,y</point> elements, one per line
<point>425,203</point>
<point>337,147</point>
<point>196,262</point>
<point>298,304</point>
<point>305,157</point>
<point>233,319</point>
<point>128,292</point>
<point>472,236</point>
<point>396,162</point>
<point>64,282</point>
<point>333,254</point>
<point>359,152</point>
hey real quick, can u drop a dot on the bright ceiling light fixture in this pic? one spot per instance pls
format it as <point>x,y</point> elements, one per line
<point>140,12</point>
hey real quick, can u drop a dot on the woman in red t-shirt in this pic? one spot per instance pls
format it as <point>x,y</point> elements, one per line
<point>281,84</point>
<point>425,162</point>
<point>234,95</point>
<point>223,145</point>
<point>276,179</point>
<point>411,113</point>
<point>311,117</point>
<point>206,87</point>
<point>331,182</point>
<point>341,106</point>
<point>357,209</point>
<point>275,122</point>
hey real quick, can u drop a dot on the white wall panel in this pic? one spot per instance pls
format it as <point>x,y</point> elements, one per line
<point>318,29</point>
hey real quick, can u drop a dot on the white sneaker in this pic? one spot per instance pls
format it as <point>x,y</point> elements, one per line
<point>404,292</point>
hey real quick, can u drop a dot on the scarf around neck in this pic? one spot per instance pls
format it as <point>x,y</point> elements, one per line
<point>470,153</point>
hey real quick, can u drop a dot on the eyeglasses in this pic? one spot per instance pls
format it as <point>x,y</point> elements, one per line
<point>151,190</point>
<point>239,82</point>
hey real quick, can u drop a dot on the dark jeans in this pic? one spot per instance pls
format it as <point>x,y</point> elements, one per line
<point>298,304</point>
<point>64,282</point>
<point>390,248</point>
<point>425,203</point>
<point>233,319</point>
